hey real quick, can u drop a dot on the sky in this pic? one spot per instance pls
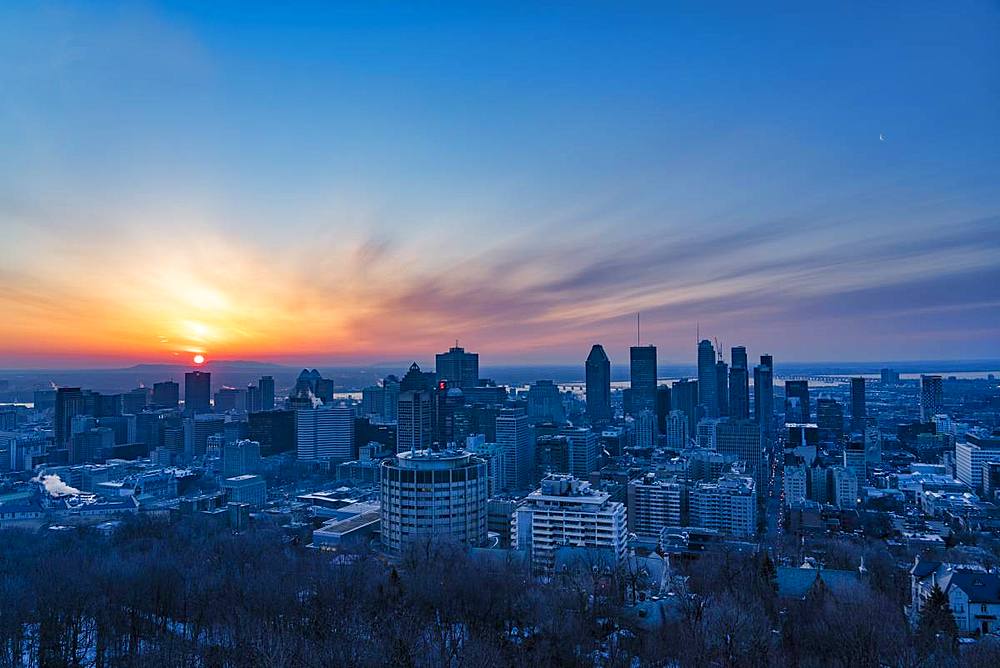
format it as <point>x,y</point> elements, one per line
<point>354,182</point>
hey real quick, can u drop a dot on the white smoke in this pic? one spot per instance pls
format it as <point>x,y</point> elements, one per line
<point>55,486</point>
<point>316,401</point>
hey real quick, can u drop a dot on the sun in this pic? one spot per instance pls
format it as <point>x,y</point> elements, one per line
<point>199,359</point>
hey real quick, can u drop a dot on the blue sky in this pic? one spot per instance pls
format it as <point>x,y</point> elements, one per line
<point>382,179</point>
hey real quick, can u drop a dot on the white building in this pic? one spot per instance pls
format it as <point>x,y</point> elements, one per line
<point>566,511</point>
<point>251,489</point>
<point>969,460</point>
<point>325,434</point>
<point>794,483</point>
<point>728,506</point>
<point>844,487</point>
<point>433,495</point>
<point>973,594</point>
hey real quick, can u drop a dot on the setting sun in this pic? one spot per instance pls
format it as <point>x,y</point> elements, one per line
<point>199,359</point>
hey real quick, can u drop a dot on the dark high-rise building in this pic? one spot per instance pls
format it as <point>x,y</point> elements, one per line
<point>545,403</point>
<point>708,384</point>
<point>166,394</point>
<point>598,375</point>
<point>859,408</point>
<point>448,400</point>
<point>274,430</point>
<point>662,408</point>
<point>722,386</point>
<point>457,367</point>
<point>684,398</point>
<point>198,392</point>
<point>69,403</point>
<point>797,408</point>
<point>643,377</point>
<point>415,379</point>
<point>266,385</point>
<point>253,399</point>
<point>132,403</point>
<point>312,382</point>
<point>739,384</point>
<point>830,419</point>
<point>931,397</point>
<point>889,377</point>
<point>763,392</point>
<point>414,430</point>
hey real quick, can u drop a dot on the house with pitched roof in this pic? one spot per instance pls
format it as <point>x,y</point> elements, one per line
<point>973,593</point>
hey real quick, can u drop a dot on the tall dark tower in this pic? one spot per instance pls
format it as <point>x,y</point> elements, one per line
<point>266,386</point>
<point>69,403</point>
<point>598,375</point>
<point>763,392</point>
<point>739,384</point>
<point>662,408</point>
<point>859,408</point>
<point>797,408</point>
<point>708,384</point>
<point>457,367</point>
<point>166,394</point>
<point>198,392</point>
<point>684,397</point>
<point>722,386</point>
<point>643,377</point>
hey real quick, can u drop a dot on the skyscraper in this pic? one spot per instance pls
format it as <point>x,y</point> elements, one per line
<point>545,402</point>
<point>325,433</point>
<point>684,397</point>
<point>414,421</point>
<point>722,386</point>
<point>253,398</point>
<point>739,384</point>
<point>166,394</point>
<point>598,375</point>
<point>198,392</point>
<point>741,439</point>
<point>642,361</point>
<point>516,449</point>
<point>829,419</point>
<point>645,429</point>
<point>457,367</point>
<point>662,407</point>
<point>931,397</point>
<point>266,385</point>
<point>859,410</point>
<point>763,393</point>
<point>581,448</point>
<point>708,384</point>
<point>69,404</point>
<point>797,408</point>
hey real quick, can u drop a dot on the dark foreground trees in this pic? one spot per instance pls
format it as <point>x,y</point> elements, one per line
<point>175,595</point>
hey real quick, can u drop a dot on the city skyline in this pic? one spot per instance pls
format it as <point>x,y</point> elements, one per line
<point>380,181</point>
